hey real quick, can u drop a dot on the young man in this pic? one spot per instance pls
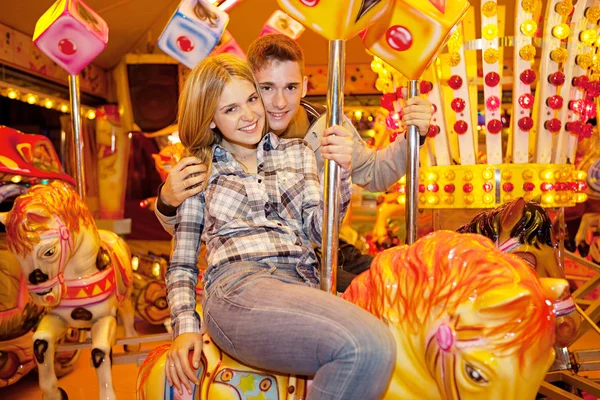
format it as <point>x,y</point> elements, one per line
<point>278,64</point>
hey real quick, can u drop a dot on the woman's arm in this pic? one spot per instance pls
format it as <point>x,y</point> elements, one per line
<point>182,274</point>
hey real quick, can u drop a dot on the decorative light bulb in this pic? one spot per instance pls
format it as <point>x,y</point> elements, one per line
<point>490,56</point>
<point>455,82</point>
<point>490,31</point>
<point>527,52</point>
<point>529,27</point>
<point>489,9</point>
<point>588,36</point>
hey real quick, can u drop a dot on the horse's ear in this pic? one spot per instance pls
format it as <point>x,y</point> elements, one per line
<point>3,217</point>
<point>36,214</point>
<point>503,303</point>
<point>553,288</point>
<point>512,214</point>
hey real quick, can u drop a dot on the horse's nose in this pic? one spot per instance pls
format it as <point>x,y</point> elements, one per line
<point>37,277</point>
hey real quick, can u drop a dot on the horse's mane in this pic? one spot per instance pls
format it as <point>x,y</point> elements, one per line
<point>57,199</point>
<point>534,227</point>
<point>409,285</point>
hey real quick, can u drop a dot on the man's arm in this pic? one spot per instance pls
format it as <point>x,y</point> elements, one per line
<point>377,170</point>
<point>184,180</point>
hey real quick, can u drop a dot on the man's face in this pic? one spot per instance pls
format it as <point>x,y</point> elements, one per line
<point>282,86</point>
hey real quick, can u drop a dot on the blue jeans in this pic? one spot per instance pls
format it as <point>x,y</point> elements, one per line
<point>271,318</point>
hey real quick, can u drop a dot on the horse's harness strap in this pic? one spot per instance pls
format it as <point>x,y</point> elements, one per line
<point>66,247</point>
<point>508,245</point>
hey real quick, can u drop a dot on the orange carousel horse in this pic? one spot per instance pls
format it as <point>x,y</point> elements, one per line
<point>470,322</point>
<point>80,274</point>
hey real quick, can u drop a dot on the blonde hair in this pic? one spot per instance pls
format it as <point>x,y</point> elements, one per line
<point>199,100</point>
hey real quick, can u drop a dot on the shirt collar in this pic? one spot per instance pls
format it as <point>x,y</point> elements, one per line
<point>269,141</point>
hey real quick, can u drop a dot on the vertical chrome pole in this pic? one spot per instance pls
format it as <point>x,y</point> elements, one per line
<point>412,172</point>
<point>77,135</point>
<point>331,215</point>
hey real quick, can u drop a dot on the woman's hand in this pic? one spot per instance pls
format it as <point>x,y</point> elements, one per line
<point>178,369</point>
<point>337,144</point>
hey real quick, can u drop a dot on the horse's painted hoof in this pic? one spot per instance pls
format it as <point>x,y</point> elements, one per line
<point>132,347</point>
<point>63,394</point>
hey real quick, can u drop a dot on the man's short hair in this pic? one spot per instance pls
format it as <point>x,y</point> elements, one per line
<point>274,47</point>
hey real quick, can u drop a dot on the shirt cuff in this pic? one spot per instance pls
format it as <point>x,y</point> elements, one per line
<point>164,208</point>
<point>186,323</point>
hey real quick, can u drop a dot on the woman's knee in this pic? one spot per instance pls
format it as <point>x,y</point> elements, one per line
<point>376,345</point>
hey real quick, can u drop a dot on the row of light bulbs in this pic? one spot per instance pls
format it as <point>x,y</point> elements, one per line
<point>47,102</point>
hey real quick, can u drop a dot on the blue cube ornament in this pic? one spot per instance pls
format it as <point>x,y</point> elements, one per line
<point>193,31</point>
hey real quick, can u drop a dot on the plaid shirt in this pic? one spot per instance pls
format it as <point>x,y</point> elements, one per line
<point>273,215</point>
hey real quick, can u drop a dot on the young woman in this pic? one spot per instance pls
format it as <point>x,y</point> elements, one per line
<point>259,210</point>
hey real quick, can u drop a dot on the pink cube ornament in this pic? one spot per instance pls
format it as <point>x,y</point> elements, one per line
<point>280,22</point>
<point>71,34</point>
<point>193,31</point>
<point>228,44</point>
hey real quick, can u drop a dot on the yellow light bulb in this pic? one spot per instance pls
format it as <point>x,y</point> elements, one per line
<point>487,174</point>
<point>64,108</point>
<point>91,114</point>
<point>489,9</point>
<point>358,114</point>
<point>488,198</point>
<point>490,56</point>
<point>450,175</point>
<point>593,14</point>
<point>527,52</point>
<point>581,197</point>
<point>12,94</point>
<point>588,36</point>
<point>561,31</point>
<point>48,103</point>
<point>547,198</point>
<point>422,198</point>
<point>581,175</point>
<point>490,31</point>
<point>31,98</point>
<point>16,179</point>
<point>564,8</point>
<point>529,27</point>
<point>448,199</point>
<point>527,174</point>
<point>432,176</point>
<point>469,199</point>
<point>558,55</point>
<point>529,6</point>
<point>468,176</point>
<point>584,60</point>
<point>547,174</point>
<point>433,199</point>
<point>454,59</point>
<point>506,175</point>
<point>401,199</point>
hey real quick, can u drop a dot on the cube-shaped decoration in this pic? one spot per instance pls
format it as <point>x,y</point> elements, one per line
<point>193,31</point>
<point>280,22</point>
<point>413,34</point>
<point>229,45</point>
<point>71,34</point>
<point>336,19</point>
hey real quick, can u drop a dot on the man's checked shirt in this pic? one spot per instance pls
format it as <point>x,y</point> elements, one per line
<point>273,215</point>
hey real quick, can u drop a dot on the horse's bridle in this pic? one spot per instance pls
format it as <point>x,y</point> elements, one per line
<point>66,247</point>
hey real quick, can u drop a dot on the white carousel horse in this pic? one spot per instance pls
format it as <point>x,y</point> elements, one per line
<point>81,275</point>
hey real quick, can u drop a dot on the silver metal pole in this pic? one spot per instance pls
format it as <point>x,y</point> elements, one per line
<point>77,135</point>
<point>412,172</point>
<point>331,215</point>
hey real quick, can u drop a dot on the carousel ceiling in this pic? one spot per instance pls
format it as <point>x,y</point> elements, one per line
<point>135,25</point>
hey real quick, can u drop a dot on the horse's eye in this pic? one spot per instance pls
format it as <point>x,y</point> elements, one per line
<point>50,252</point>
<point>475,375</point>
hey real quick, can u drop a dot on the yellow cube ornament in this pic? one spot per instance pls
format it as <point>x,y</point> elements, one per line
<point>413,33</point>
<point>336,19</point>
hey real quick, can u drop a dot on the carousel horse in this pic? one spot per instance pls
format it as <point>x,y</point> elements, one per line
<point>80,274</point>
<point>525,229</point>
<point>470,322</point>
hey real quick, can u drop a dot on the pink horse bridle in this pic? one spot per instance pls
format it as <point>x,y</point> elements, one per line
<point>66,247</point>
